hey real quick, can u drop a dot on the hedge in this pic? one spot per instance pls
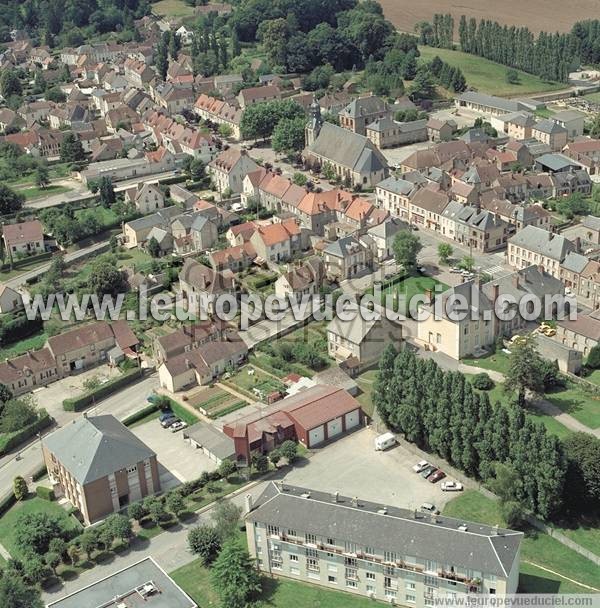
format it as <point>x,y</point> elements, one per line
<point>7,502</point>
<point>8,441</point>
<point>145,411</point>
<point>44,493</point>
<point>76,404</point>
<point>25,261</point>
<point>39,473</point>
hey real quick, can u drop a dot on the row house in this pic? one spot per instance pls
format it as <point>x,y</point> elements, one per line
<point>300,281</point>
<point>235,259</point>
<point>252,95</point>
<point>346,258</point>
<point>581,334</point>
<point>174,98</point>
<point>550,133</point>
<point>138,73</point>
<point>36,111</point>
<point>229,169</point>
<point>519,215</point>
<point>534,245</point>
<point>586,152</point>
<point>37,141</point>
<point>426,208</point>
<point>277,242</point>
<point>582,276</point>
<point>477,228</point>
<point>198,283</point>
<point>393,194</point>
<point>219,112</point>
<point>146,197</point>
<point>387,133</point>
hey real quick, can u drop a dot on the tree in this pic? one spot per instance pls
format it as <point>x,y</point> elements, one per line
<point>205,542</point>
<point>197,168</point>
<point>595,126</point>
<point>423,86</point>
<point>299,179</point>
<point>42,176</point>
<point>260,463</point>
<point>288,135</point>
<point>593,360</point>
<point>234,577</point>
<point>227,468</point>
<point>275,456</point>
<point>406,249</point>
<point>512,76</point>
<point>137,511</point>
<point>88,541</point>
<point>20,488</point>
<point>52,560</point>
<point>524,372</point>
<point>482,382</point>
<point>582,484</point>
<point>14,592</point>
<point>153,247</point>
<point>467,263</point>
<point>71,149</point>
<point>73,551</point>
<point>289,450</point>
<point>17,414</point>
<point>513,514</point>
<point>259,119</point>
<point>56,95</point>
<point>175,503</point>
<point>156,509</point>
<point>58,545</point>
<point>10,201</point>
<point>445,251</point>
<point>226,516</point>
<point>105,278</point>
<point>10,84</point>
<point>106,192</point>
<point>120,527</point>
<point>34,569</point>
<point>225,130</point>
<point>34,531</point>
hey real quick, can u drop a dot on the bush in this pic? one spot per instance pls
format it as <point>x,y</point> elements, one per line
<point>20,488</point>
<point>593,360</point>
<point>12,440</point>
<point>205,542</point>
<point>482,382</point>
<point>44,492</point>
<point>145,411</point>
<point>76,404</point>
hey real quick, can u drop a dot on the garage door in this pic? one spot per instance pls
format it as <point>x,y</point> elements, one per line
<point>352,420</point>
<point>334,427</point>
<point>316,436</point>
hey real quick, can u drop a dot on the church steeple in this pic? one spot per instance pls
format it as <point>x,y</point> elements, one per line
<point>314,124</point>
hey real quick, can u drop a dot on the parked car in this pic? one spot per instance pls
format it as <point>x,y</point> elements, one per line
<point>177,426</point>
<point>427,471</point>
<point>167,422</point>
<point>455,270</point>
<point>417,468</point>
<point>436,476</point>
<point>166,414</point>
<point>451,486</point>
<point>427,507</point>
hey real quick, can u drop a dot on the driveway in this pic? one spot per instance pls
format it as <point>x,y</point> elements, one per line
<point>352,467</point>
<point>178,460</point>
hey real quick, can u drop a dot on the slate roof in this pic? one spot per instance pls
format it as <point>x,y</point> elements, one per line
<point>530,280</point>
<point>397,185</point>
<point>348,149</point>
<point>541,241</point>
<point>92,448</point>
<point>479,547</point>
<point>344,247</point>
<point>215,441</point>
<point>364,106</point>
<point>575,262</point>
<point>591,222</point>
<point>549,127</point>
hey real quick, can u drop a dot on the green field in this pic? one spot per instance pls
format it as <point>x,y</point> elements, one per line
<point>407,287</point>
<point>35,192</point>
<point>365,382</point>
<point>22,346</point>
<point>497,362</point>
<point>172,8</point>
<point>31,505</point>
<point>487,76</point>
<point>576,402</point>
<point>537,548</point>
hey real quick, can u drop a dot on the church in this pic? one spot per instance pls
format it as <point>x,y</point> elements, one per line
<point>353,157</point>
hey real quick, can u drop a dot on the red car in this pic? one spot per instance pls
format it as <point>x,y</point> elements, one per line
<point>436,476</point>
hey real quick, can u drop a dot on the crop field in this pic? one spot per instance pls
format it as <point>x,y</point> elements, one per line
<point>537,15</point>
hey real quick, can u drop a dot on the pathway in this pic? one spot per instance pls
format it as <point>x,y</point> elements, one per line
<point>561,576</point>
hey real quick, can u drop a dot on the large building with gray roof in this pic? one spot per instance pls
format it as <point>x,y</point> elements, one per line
<point>377,551</point>
<point>100,466</point>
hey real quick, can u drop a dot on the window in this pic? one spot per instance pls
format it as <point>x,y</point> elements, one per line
<point>293,558</point>
<point>371,589</point>
<point>352,584</point>
<point>351,574</point>
<point>294,570</point>
<point>492,591</point>
<point>350,547</point>
<point>389,556</point>
<point>291,532</point>
<point>273,530</point>
<point>370,551</point>
<point>311,553</point>
<point>410,586</point>
<point>332,579</point>
<point>311,539</point>
<point>390,594</point>
<point>350,561</point>
<point>370,576</point>
<point>312,564</point>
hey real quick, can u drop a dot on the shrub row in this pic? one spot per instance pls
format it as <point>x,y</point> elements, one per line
<point>7,502</point>
<point>30,259</point>
<point>44,493</point>
<point>145,411</point>
<point>8,441</point>
<point>76,404</point>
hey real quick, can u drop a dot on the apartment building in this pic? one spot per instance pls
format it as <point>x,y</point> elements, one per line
<point>100,466</point>
<point>385,553</point>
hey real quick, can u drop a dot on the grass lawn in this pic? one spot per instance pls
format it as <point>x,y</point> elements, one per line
<point>134,258</point>
<point>487,76</point>
<point>22,346</point>
<point>23,268</point>
<point>407,287</point>
<point>31,505</point>
<point>106,217</point>
<point>246,382</point>
<point>497,362</point>
<point>172,8</point>
<point>538,548</point>
<point>583,406</point>
<point>365,382</point>
<point>35,192</point>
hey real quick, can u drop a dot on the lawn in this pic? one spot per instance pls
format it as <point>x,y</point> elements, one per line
<point>172,8</point>
<point>250,378</point>
<point>22,346</point>
<point>538,548</point>
<point>407,287</point>
<point>497,362</point>
<point>487,76</point>
<point>575,401</point>
<point>135,258</point>
<point>32,264</point>
<point>31,505</point>
<point>365,382</point>
<point>35,192</point>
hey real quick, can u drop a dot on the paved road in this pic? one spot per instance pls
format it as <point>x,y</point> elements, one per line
<point>121,404</point>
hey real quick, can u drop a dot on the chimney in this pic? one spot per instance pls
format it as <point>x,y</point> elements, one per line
<point>495,530</point>
<point>515,279</point>
<point>336,497</point>
<point>248,503</point>
<point>355,501</point>
<point>495,291</point>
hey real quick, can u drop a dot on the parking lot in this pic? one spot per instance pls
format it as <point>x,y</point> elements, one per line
<point>178,460</point>
<point>352,467</point>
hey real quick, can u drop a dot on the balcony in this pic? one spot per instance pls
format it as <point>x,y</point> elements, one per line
<point>453,576</point>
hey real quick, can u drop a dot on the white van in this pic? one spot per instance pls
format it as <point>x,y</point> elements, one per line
<point>385,441</point>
